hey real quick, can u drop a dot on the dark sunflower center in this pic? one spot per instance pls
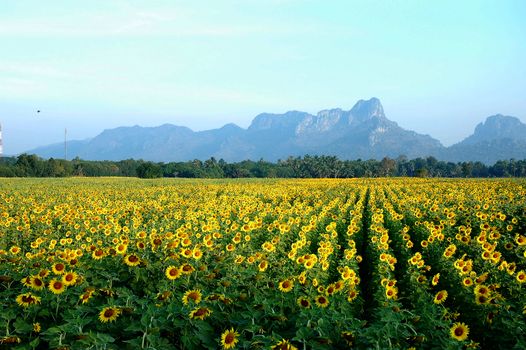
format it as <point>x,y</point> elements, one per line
<point>459,331</point>
<point>200,312</point>
<point>133,258</point>
<point>109,313</point>
<point>229,339</point>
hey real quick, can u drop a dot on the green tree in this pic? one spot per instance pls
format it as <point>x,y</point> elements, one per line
<point>149,170</point>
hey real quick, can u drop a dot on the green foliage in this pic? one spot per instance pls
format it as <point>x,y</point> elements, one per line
<point>149,170</point>
<point>293,167</point>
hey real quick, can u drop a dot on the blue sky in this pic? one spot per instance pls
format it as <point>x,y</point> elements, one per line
<point>439,67</point>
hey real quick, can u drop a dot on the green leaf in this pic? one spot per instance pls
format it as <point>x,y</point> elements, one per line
<point>52,331</point>
<point>22,326</point>
<point>303,333</point>
<point>34,343</point>
<point>105,338</point>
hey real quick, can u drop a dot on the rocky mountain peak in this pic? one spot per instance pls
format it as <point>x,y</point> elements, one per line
<point>498,127</point>
<point>364,110</point>
<point>266,121</point>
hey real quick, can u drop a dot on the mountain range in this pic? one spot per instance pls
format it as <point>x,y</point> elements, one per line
<point>362,132</point>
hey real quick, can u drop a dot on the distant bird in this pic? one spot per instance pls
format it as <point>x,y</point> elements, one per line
<point>38,111</point>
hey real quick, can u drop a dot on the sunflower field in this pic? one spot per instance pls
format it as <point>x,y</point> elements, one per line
<point>115,263</point>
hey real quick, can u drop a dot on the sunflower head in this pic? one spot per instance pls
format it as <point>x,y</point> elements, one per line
<point>172,272</point>
<point>303,302</point>
<point>286,286</point>
<point>57,286</point>
<point>459,331</point>
<point>27,299</point>
<point>229,338</point>
<point>37,283</point>
<point>193,295</point>
<point>132,260</point>
<point>109,314</point>
<point>70,278</point>
<point>200,313</point>
<point>321,301</point>
<point>440,297</point>
<point>284,344</point>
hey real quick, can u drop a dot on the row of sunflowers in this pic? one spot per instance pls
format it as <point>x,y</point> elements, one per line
<point>116,263</point>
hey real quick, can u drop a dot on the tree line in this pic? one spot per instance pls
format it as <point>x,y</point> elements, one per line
<point>27,165</point>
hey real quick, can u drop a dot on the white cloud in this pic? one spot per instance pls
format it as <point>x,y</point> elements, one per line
<point>127,20</point>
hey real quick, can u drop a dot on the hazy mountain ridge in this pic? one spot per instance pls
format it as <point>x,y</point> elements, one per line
<point>361,132</point>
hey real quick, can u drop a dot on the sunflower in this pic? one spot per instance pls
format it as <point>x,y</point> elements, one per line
<point>467,282</point>
<point>36,327</point>
<point>521,276</point>
<point>286,286</point>
<point>459,331</point>
<point>57,286</point>
<point>303,302</point>
<point>338,286</point>
<point>391,293</point>
<point>200,313</point>
<point>86,296</point>
<point>194,295</point>
<point>263,266</point>
<point>172,272</point>
<point>132,260</point>
<point>58,268</point>
<point>10,340</point>
<point>187,269</point>
<point>187,253</point>
<point>435,279</point>
<point>70,278</point>
<point>121,248</point>
<point>37,283</point>
<point>43,273</point>
<point>26,281</point>
<point>109,314</point>
<point>163,296</point>
<point>197,254</point>
<point>353,294</point>
<point>284,345</point>
<point>229,338</point>
<point>98,254</point>
<point>14,250</point>
<point>482,299</point>
<point>330,289</point>
<point>440,297</point>
<point>321,301</point>
<point>348,337</point>
<point>27,299</point>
